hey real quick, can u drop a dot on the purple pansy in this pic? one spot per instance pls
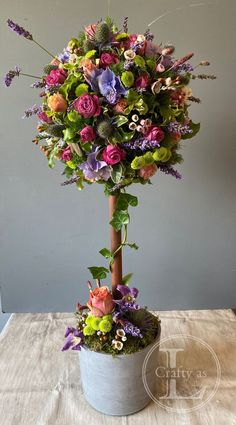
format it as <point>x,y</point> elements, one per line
<point>125,299</point>
<point>74,339</point>
<point>94,169</point>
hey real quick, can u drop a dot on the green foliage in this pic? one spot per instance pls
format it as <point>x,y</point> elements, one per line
<point>120,120</point>
<point>119,219</point>
<point>126,279</point>
<point>116,173</point>
<point>98,272</point>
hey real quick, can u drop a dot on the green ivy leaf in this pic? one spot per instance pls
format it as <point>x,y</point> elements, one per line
<point>98,272</point>
<point>132,245</point>
<point>124,200</point>
<point>120,120</point>
<point>106,253</point>
<point>119,219</point>
<point>195,129</point>
<point>127,278</point>
<point>116,173</point>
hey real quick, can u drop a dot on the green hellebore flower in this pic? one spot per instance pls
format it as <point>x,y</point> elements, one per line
<point>127,78</point>
<point>88,330</point>
<point>162,154</point>
<point>105,326</point>
<point>148,158</point>
<point>81,89</point>
<point>137,163</point>
<point>94,323</point>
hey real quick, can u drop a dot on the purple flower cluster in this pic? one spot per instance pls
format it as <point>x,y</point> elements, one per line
<point>32,111</point>
<point>131,329</point>
<point>176,127</point>
<point>149,36</point>
<point>19,30</point>
<point>184,67</point>
<point>64,57</point>
<point>167,169</point>
<point>38,84</point>
<point>74,339</point>
<point>142,144</point>
<point>10,75</point>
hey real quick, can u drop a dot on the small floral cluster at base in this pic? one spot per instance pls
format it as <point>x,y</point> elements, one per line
<point>110,323</point>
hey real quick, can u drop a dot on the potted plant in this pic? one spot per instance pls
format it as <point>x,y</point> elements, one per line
<point>114,111</point>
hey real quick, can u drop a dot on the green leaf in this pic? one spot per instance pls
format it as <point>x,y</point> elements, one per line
<point>124,200</point>
<point>127,278</point>
<point>132,245</point>
<point>132,200</point>
<point>116,173</point>
<point>120,120</point>
<point>127,135</point>
<point>119,219</point>
<point>106,253</point>
<point>98,272</point>
<point>90,54</point>
<point>195,129</point>
<point>69,134</point>
<point>165,112</point>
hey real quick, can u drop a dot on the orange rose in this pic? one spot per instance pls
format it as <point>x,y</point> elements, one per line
<point>148,171</point>
<point>101,302</point>
<point>57,103</point>
<point>88,66</point>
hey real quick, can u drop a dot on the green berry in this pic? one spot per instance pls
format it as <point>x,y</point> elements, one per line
<point>102,33</point>
<point>104,129</point>
<point>127,78</point>
<point>88,331</point>
<point>105,326</point>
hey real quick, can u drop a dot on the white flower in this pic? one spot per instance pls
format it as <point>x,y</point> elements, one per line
<point>129,54</point>
<point>141,38</point>
<point>168,81</point>
<point>124,338</point>
<point>135,117</point>
<point>132,126</point>
<point>120,332</point>
<point>156,87</point>
<point>118,345</point>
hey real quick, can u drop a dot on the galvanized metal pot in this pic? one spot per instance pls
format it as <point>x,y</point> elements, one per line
<point>114,385</point>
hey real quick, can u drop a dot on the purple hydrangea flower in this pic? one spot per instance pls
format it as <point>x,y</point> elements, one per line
<point>74,339</point>
<point>94,169</point>
<point>167,169</point>
<point>10,75</point>
<point>19,30</point>
<point>110,85</point>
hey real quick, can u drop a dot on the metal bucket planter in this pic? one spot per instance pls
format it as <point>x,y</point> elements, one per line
<point>114,385</point>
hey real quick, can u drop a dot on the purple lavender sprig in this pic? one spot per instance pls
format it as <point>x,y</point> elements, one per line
<point>131,329</point>
<point>142,144</point>
<point>149,36</point>
<point>168,169</point>
<point>176,127</point>
<point>125,24</point>
<point>38,84</point>
<point>19,30</point>
<point>24,33</point>
<point>10,75</point>
<point>33,110</point>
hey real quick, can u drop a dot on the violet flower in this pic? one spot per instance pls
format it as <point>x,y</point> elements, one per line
<point>94,169</point>
<point>10,75</point>
<point>177,127</point>
<point>33,110</point>
<point>110,86</point>
<point>19,30</point>
<point>74,339</point>
<point>125,299</point>
<point>168,169</point>
<point>38,84</point>
<point>131,329</point>
<point>142,144</point>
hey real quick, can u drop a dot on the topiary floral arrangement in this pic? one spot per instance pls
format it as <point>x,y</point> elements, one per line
<point>115,112</point>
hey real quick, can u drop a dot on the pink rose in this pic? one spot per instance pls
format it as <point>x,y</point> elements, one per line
<point>43,117</point>
<point>142,81</point>
<point>100,302</point>
<point>66,155</point>
<point>113,154</point>
<point>107,59</point>
<point>56,76</point>
<point>148,171</point>
<point>87,134</point>
<point>87,105</point>
<point>155,133</point>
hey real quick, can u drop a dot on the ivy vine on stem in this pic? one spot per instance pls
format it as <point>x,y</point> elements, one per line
<point>120,219</point>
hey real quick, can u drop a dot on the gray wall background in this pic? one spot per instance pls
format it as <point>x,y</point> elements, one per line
<point>186,230</point>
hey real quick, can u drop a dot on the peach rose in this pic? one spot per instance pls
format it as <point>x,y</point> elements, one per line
<point>57,103</point>
<point>100,302</point>
<point>148,171</point>
<point>88,66</point>
<point>120,106</point>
